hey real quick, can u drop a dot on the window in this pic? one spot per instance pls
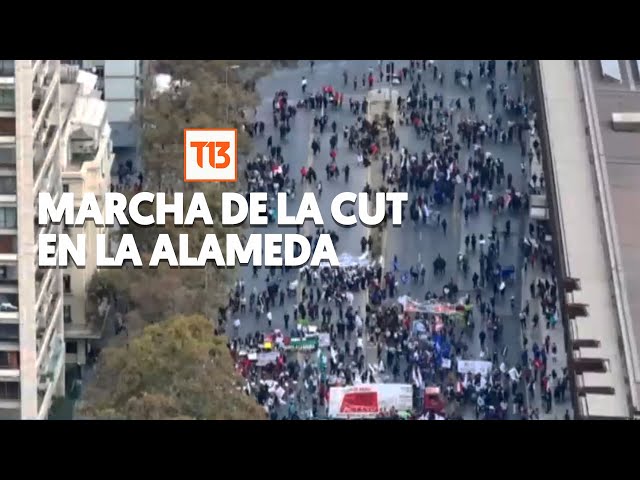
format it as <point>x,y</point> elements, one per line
<point>66,280</point>
<point>7,155</point>
<point>8,244</point>
<point>7,68</point>
<point>8,217</point>
<point>67,314</point>
<point>7,99</point>
<point>8,274</point>
<point>10,360</point>
<point>8,186</point>
<point>8,126</point>
<point>72,347</point>
<point>10,390</point>
<point>65,187</point>
<point>8,303</point>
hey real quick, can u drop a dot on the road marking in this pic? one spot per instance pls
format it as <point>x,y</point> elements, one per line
<point>419,257</point>
<point>627,67</point>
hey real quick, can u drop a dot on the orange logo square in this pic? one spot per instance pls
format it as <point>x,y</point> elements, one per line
<point>210,155</point>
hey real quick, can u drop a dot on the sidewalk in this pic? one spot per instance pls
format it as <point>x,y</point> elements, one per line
<point>538,334</point>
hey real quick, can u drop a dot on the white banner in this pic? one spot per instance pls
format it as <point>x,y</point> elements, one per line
<point>368,400</point>
<point>324,340</point>
<point>347,260</point>
<point>265,358</point>
<point>475,367</point>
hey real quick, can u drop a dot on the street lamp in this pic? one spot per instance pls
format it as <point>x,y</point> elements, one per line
<point>226,86</point>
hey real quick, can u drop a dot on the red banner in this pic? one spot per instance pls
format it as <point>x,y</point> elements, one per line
<point>360,402</point>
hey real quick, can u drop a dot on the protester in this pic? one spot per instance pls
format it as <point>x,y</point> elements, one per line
<point>356,324</point>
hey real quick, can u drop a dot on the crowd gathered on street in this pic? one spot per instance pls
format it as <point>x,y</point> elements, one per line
<point>313,343</point>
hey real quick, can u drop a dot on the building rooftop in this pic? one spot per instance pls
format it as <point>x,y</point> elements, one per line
<point>87,122</point>
<point>89,112</point>
<point>621,154</point>
<point>598,326</point>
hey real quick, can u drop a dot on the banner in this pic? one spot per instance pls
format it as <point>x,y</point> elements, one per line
<point>436,308</point>
<point>347,260</point>
<point>324,340</point>
<point>265,358</point>
<point>368,400</point>
<point>474,367</point>
<point>310,343</point>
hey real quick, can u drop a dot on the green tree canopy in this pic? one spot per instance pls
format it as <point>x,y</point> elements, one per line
<point>176,369</point>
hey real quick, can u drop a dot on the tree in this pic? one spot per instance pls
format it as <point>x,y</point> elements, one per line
<point>174,370</point>
<point>174,367</point>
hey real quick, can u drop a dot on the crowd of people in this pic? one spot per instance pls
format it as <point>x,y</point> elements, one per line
<point>351,325</point>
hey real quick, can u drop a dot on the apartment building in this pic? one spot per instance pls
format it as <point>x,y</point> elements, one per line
<point>120,86</point>
<point>87,168</point>
<point>31,298</point>
<point>50,122</point>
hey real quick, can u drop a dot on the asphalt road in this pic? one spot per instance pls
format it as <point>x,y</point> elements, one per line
<point>296,151</point>
<point>412,244</point>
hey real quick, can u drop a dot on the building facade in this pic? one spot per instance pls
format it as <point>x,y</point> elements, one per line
<point>31,298</point>
<point>50,122</point>
<point>89,157</point>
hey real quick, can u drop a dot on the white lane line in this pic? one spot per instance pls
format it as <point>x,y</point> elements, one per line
<point>627,67</point>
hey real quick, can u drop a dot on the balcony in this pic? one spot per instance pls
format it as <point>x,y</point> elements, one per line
<point>42,289</point>
<point>43,108</point>
<point>44,341</point>
<point>49,228</point>
<point>47,310</point>
<point>49,171</point>
<point>78,159</point>
<point>42,147</point>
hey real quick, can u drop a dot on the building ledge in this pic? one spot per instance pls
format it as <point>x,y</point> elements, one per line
<point>8,258</point>
<point>10,318</point>
<point>9,374</point>
<point>81,332</point>
<point>9,404</point>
